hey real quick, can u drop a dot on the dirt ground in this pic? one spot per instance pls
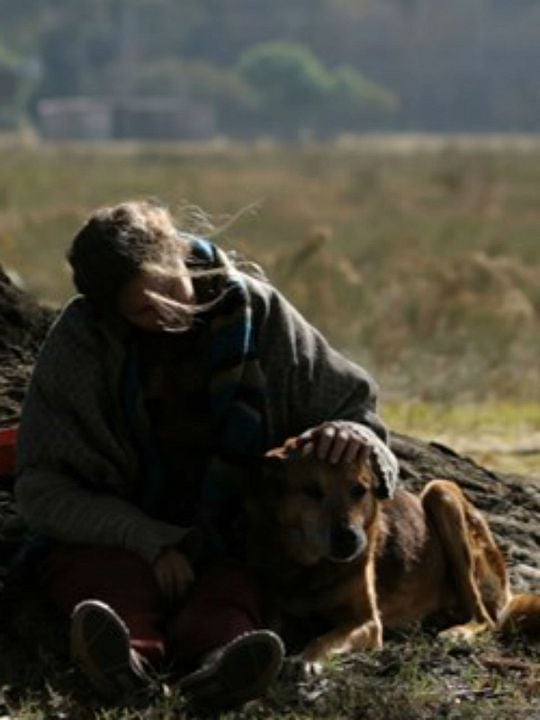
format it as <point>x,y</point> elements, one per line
<point>23,325</point>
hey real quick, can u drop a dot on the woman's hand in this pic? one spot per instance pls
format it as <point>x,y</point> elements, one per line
<point>173,574</point>
<point>335,442</point>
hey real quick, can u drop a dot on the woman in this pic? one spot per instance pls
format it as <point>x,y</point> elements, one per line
<point>155,389</point>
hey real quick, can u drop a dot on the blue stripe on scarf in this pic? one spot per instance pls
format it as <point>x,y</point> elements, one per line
<point>202,249</point>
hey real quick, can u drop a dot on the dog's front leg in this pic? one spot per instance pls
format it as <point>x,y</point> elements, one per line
<point>364,632</point>
<point>345,638</point>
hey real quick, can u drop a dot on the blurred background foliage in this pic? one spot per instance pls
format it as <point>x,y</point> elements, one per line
<point>285,68</point>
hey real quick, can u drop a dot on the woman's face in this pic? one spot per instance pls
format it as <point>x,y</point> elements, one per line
<point>148,299</point>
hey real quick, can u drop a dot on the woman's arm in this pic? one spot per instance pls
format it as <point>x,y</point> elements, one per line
<point>53,504</point>
<point>316,393</point>
<point>76,468</point>
<point>308,381</point>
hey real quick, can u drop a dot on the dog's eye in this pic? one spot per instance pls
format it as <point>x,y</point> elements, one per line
<point>313,492</point>
<point>358,492</point>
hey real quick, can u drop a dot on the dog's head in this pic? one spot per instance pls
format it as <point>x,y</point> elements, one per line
<point>320,511</point>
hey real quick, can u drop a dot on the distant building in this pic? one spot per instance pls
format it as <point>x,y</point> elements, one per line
<point>76,118</point>
<point>137,118</point>
<point>163,118</point>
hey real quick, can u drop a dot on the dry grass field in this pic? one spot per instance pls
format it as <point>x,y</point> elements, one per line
<point>418,256</point>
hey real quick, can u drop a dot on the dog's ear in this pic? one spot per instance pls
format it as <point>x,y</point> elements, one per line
<point>276,454</point>
<point>273,472</point>
<point>364,468</point>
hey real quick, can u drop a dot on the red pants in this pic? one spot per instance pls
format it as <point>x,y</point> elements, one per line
<point>221,605</point>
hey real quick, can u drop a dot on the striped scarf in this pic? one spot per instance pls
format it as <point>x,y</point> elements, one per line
<point>236,398</point>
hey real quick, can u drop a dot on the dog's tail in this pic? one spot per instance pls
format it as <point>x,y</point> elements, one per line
<point>521,614</point>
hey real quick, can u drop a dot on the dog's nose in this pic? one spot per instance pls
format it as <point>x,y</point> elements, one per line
<point>345,543</point>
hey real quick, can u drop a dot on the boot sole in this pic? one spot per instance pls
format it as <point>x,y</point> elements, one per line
<point>100,647</point>
<point>248,665</point>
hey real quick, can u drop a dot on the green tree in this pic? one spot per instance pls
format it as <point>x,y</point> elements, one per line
<point>285,73</point>
<point>290,83</point>
<point>298,93</point>
<point>357,101</point>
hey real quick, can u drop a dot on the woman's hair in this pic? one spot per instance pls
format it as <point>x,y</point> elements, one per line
<point>119,241</point>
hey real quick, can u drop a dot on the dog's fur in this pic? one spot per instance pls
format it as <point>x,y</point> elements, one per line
<point>338,563</point>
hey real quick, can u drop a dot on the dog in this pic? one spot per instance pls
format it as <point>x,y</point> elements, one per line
<point>338,564</point>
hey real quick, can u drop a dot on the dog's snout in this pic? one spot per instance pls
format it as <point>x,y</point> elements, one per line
<point>345,543</point>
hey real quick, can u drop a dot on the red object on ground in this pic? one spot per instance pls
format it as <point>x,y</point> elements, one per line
<point>8,442</point>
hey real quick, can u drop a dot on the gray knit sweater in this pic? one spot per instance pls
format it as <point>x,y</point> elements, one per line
<point>77,469</point>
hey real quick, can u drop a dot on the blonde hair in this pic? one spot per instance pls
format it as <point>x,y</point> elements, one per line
<point>117,242</point>
<point>120,241</point>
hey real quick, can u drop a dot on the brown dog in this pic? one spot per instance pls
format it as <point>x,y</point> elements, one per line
<point>339,563</point>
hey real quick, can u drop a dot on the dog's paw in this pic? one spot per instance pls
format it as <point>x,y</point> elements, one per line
<point>311,669</point>
<point>467,633</point>
<point>298,669</point>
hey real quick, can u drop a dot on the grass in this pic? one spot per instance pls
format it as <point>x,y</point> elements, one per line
<point>414,677</point>
<point>501,435</point>
<point>424,266</point>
